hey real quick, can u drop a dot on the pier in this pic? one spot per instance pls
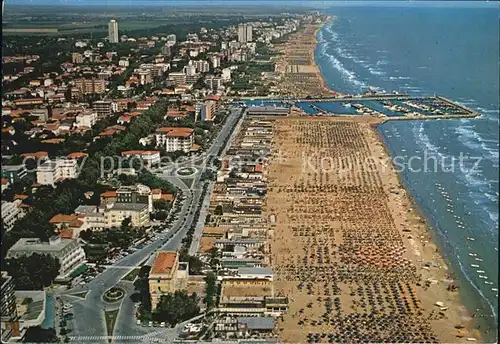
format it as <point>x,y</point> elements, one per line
<point>388,107</point>
<point>318,109</point>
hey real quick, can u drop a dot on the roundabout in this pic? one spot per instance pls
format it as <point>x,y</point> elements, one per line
<point>113,294</point>
<point>186,172</point>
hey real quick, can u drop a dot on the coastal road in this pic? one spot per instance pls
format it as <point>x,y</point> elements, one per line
<point>89,319</point>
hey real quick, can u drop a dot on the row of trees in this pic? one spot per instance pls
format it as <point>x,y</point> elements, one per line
<point>32,272</point>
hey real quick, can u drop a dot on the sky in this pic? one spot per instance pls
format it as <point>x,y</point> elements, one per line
<point>308,3</point>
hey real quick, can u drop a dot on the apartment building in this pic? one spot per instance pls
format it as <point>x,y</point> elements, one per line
<point>201,66</point>
<point>208,110</point>
<point>214,83</point>
<point>86,119</point>
<point>150,157</point>
<point>245,33</point>
<point>177,78</point>
<point>138,193</point>
<point>11,212</point>
<point>117,212</point>
<point>68,251</point>
<point>76,58</point>
<point>166,276</point>
<point>90,86</point>
<point>175,139</point>
<point>103,108</point>
<point>8,296</point>
<point>52,171</point>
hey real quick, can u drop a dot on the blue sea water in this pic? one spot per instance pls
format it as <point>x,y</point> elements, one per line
<point>454,52</point>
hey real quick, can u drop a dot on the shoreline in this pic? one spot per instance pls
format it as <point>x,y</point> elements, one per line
<point>420,213</point>
<point>429,232</point>
<point>389,203</point>
<point>431,225</point>
<point>446,315</point>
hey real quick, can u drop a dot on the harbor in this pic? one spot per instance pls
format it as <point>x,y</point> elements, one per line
<point>385,106</point>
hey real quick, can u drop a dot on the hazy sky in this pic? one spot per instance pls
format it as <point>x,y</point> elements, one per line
<point>309,3</point>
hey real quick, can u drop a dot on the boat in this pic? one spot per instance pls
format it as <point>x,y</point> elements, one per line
<point>480,271</point>
<point>494,289</point>
<point>346,105</point>
<point>487,282</point>
<point>483,276</point>
<point>474,265</point>
<point>478,259</point>
<point>470,238</point>
<point>472,254</point>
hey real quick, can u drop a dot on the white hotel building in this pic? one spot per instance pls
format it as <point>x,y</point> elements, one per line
<point>53,171</point>
<point>175,139</point>
<point>68,251</point>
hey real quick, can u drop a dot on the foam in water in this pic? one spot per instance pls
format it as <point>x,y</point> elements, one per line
<point>346,74</point>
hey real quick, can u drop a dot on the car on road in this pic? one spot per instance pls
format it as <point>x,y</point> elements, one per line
<point>150,324</point>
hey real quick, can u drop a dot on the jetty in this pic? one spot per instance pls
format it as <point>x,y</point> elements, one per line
<point>389,107</point>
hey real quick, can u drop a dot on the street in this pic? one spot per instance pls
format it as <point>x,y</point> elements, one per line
<point>89,318</point>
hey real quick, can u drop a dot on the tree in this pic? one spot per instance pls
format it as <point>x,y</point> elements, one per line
<point>218,210</point>
<point>33,272</point>
<point>161,204</point>
<point>195,265</point>
<point>141,286</point>
<point>176,307</point>
<point>37,334</point>
<point>161,215</point>
<point>210,289</point>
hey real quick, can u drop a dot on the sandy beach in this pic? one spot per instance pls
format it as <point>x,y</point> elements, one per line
<point>300,76</point>
<point>349,248</point>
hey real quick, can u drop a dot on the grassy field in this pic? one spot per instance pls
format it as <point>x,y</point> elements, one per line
<point>111,317</point>
<point>187,181</point>
<point>131,275</point>
<point>80,295</point>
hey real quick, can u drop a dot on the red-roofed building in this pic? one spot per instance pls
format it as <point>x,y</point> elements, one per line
<point>28,101</point>
<point>108,197</point>
<point>76,155</point>
<point>175,139</point>
<point>124,119</point>
<point>37,155</point>
<point>166,276</point>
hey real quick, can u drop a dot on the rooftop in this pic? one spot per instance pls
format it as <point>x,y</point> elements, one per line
<point>30,245</point>
<point>255,271</point>
<point>164,263</point>
<point>258,323</point>
<point>175,131</point>
<point>130,206</point>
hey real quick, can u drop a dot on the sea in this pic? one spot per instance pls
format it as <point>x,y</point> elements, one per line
<point>450,167</point>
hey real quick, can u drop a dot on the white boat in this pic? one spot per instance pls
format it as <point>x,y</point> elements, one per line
<point>474,265</point>
<point>494,289</point>
<point>478,259</point>
<point>480,271</point>
<point>487,282</point>
<point>346,105</point>
<point>472,254</point>
<point>470,238</point>
<point>483,276</point>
